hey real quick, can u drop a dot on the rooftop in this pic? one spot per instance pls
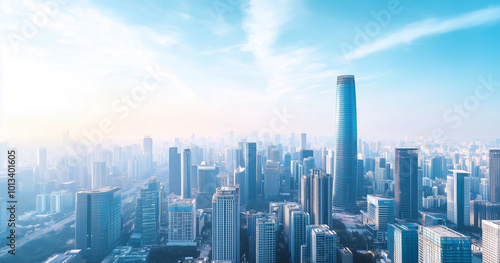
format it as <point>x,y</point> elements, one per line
<point>104,189</point>
<point>445,232</point>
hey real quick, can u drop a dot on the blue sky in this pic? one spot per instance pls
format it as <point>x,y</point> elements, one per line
<point>230,65</point>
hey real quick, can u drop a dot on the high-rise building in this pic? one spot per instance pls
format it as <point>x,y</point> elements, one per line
<point>380,211</point>
<point>494,175</point>
<point>174,171</point>
<point>250,158</point>
<point>437,167</point>
<point>406,183</point>
<point>481,210</point>
<point>186,174</point>
<point>239,180</point>
<point>346,155</point>
<point>252,231</point>
<point>440,244</point>
<point>491,241</point>
<point>226,224</point>
<point>323,245</point>
<point>99,175</point>
<point>147,213</point>
<point>147,145</point>
<point>303,141</point>
<point>42,203</point>
<point>360,181</point>
<point>402,241</point>
<point>207,179</point>
<point>265,240</point>
<point>316,197</point>
<point>271,180</point>
<point>182,222</point>
<point>98,222</point>
<point>298,223</point>
<point>458,197</point>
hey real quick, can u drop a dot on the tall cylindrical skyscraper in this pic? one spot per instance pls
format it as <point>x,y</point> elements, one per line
<point>346,159</point>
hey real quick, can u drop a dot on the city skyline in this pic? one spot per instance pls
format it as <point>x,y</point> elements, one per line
<point>249,131</point>
<point>282,65</point>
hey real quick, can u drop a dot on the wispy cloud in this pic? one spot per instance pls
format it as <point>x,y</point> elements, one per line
<point>427,28</point>
<point>292,69</point>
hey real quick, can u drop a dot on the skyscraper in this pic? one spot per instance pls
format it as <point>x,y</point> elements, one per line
<point>346,155</point>
<point>174,171</point>
<point>316,197</point>
<point>226,224</point>
<point>271,180</point>
<point>148,153</point>
<point>265,245</point>
<point>182,222</point>
<point>402,241</point>
<point>186,174</point>
<point>458,197</point>
<point>147,213</point>
<point>380,210</point>
<point>494,175</point>
<point>299,221</point>
<point>437,167</point>
<point>239,180</point>
<point>250,158</point>
<point>98,222</point>
<point>440,244</point>
<point>360,181</point>
<point>303,141</point>
<point>323,245</point>
<point>99,178</point>
<point>491,241</point>
<point>406,183</point>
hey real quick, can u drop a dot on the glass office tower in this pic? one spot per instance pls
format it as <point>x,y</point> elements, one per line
<point>406,183</point>
<point>346,159</point>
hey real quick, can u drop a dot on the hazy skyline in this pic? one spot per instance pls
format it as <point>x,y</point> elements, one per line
<point>209,67</point>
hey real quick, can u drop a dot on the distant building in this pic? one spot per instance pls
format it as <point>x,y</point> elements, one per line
<point>491,241</point>
<point>186,174</point>
<point>440,244</point>
<point>406,183</point>
<point>99,175</point>
<point>174,171</point>
<point>182,222</point>
<point>494,175</point>
<point>42,203</point>
<point>271,180</point>
<point>98,222</point>
<point>147,214</point>
<point>458,197</point>
<point>483,210</point>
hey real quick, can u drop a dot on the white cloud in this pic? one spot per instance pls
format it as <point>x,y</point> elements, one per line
<point>427,28</point>
<point>296,68</point>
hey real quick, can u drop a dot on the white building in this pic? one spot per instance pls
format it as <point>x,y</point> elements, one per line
<point>491,241</point>
<point>265,240</point>
<point>182,222</point>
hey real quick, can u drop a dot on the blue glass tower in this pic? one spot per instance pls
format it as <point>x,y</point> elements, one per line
<point>346,159</point>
